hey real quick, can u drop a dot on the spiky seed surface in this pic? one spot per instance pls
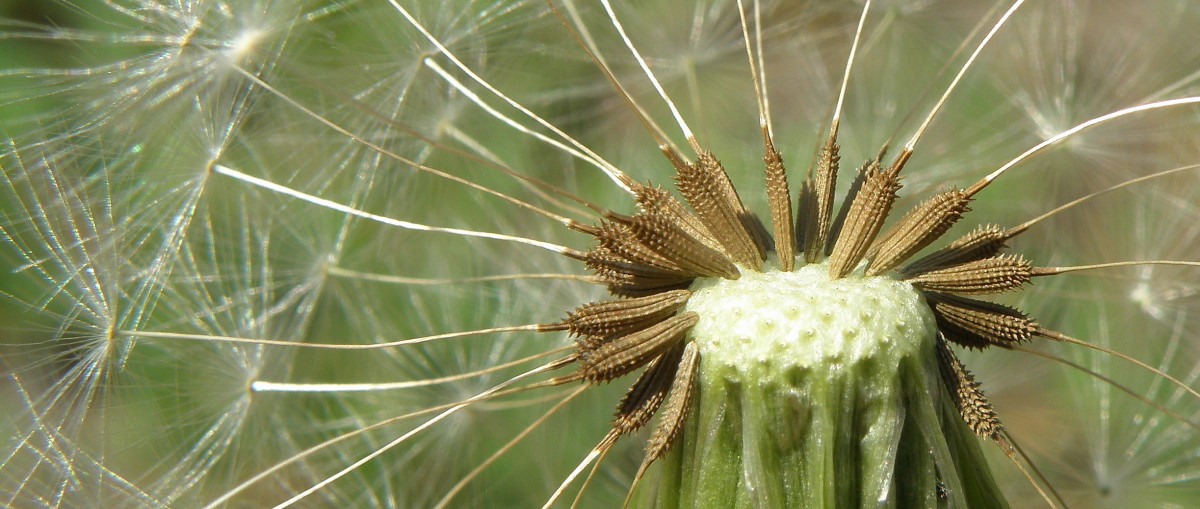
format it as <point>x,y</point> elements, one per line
<point>629,279</point>
<point>653,199</point>
<point>990,275</point>
<point>706,187</point>
<point>622,355</point>
<point>817,225</point>
<point>678,402</point>
<point>866,216</point>
<point>979,324</point>
<point>779,198</point>
<point>647,393</point>
<point>839,220</point>
<point>970,401</point>
<point>982,242</point>
<point>608,318</point>
<point>619,238</point>
<point>658,233</point>
<point>918,228</point>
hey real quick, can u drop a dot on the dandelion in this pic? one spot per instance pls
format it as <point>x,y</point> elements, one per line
<point>391,253</point>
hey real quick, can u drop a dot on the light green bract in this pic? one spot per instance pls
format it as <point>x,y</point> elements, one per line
<point>819,393</point>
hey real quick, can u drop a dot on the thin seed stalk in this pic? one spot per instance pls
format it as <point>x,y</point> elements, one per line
<point>814,392</point>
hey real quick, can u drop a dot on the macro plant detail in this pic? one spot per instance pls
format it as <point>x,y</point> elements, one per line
<point>230,292</point>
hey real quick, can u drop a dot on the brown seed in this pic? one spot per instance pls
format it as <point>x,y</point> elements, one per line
<point>779,198</point>
<point>982,242</point>
<point>671,421</point>
<point>602,258</point>
<point>647,393</point>
<point>626,278</point>
<point>964,391</point>
<point>659,234</point>
<point>918,228</point>
<point>867,214</point>
<point>989,275</point>
<point>706,187</point>
<point>608,318</point>
<point>656,199</point>
<point>979,324</point>
<point>817,227</point>
<point>678,403</point>
<point>619,239</point>
<point>835,228</point>
<point>607,360</point>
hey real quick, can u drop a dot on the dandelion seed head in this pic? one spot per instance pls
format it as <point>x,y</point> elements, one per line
<point>120,229</point>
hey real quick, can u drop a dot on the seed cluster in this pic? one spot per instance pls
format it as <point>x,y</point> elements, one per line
<point>650,259</point>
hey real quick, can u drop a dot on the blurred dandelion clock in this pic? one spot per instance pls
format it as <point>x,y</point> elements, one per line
<point>550,254</point>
